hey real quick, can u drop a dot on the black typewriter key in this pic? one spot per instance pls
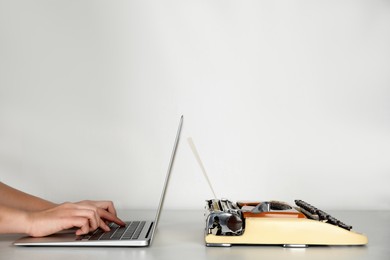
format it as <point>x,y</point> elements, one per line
<point>322,215</point>
<point>306,206</point>
<point>345,226</point>
<point>333,220</point>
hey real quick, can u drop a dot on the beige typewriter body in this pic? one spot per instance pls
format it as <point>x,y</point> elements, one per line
<point>239,224</point>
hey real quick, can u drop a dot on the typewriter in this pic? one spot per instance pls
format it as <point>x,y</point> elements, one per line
<point>274,223</point>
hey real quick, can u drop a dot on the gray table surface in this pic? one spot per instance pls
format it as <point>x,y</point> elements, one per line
<point>180,236</point>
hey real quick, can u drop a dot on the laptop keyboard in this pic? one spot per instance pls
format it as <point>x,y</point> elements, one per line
<point>131,231</point>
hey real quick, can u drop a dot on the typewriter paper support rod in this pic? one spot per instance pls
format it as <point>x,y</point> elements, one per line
<point>196,154</point>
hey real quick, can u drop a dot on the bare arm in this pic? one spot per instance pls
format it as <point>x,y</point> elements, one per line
<point>86,216</point>
<point>24,213</point>
<point>11,220</point>
<point>17,199</point>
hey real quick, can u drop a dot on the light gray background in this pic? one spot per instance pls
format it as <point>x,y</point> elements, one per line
<point>284,100</point>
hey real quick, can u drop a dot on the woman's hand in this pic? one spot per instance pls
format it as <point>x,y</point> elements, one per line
<point>86,215</point>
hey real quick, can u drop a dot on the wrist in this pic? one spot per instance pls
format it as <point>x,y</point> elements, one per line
<point>30,223</point>
<point>14,221</point>
<point>26,222</point>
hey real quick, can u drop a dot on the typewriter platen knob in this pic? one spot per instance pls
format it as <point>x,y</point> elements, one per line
<point>234,223</point>
<point>223,218</point>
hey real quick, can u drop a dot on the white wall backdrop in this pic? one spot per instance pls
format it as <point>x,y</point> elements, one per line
<point>284,100</point>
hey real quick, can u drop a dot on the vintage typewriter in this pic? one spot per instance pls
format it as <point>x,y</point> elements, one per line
<point>274,223</point>
<point>271,222</point>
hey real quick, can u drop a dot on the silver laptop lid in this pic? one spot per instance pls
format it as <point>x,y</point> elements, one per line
<point>170,166</point>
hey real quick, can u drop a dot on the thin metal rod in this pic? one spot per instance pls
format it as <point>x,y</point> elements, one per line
<point>196,154</point>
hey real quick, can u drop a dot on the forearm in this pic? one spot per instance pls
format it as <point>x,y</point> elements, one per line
<point>12,220</point>
<point>13,198</point>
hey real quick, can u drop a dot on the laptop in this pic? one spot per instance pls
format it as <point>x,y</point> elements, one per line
<point>138,233</point>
